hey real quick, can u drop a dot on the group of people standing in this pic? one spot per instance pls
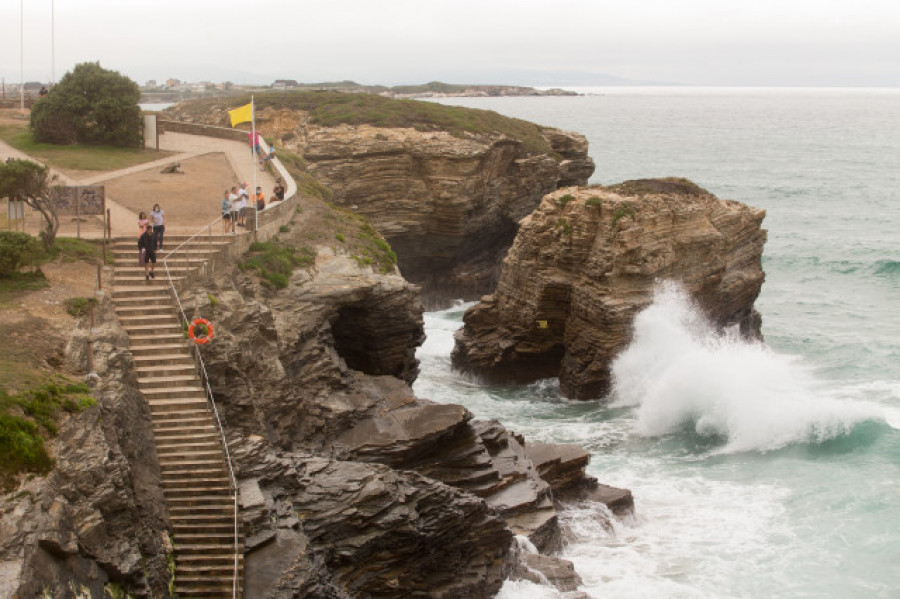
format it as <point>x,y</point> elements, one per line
<point>150,239</point>
<point>235,204</point>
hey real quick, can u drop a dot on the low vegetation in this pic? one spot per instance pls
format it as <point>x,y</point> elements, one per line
<point>75,156</point>
<point>358,238</point>
<point>28,418</point>
<point>331,108</point>
<point>662,186</point>
<point>275,261</point>
<point>623,210</point>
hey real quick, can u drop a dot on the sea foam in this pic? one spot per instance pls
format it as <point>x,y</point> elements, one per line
<point>680,372</point>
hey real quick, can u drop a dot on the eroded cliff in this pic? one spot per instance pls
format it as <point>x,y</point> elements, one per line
<point>97,522</point>
<point>587,260</point>
<point>351,485</point>
<point>446,186</point>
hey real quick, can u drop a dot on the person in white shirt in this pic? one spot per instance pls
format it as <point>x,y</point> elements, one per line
<point>243,198</point>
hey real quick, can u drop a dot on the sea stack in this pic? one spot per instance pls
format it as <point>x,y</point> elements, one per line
<point>587,260</point>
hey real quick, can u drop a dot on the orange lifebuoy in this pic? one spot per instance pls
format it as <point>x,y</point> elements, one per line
<point>209,331</point>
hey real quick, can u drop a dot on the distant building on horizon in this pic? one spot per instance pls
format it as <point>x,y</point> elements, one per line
<point>285,83</point>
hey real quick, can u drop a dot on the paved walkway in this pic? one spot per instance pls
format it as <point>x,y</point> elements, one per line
<point>185,146</point>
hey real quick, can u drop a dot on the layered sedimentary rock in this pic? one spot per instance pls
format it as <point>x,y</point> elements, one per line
<point>351,485</point>
<point>97,523</point>
<point>588,259</point>
<point>448,204</point>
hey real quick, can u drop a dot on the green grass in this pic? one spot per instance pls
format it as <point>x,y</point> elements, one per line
<point>274,262</point>
<point>561,202</point>
<point>623,210</point>
<point>20,282</point>
<point>76,157</point>
<point>27,418</point>
<point>594,202</point>
<point>331,108</point>
<point>78,306</point>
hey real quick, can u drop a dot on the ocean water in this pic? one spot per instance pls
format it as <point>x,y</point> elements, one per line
<point>758,469</point>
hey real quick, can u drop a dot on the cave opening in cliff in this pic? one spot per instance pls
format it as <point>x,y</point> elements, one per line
<point>357,340</point>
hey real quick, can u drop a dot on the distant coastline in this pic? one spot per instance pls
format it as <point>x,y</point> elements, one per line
<point>170,94</point>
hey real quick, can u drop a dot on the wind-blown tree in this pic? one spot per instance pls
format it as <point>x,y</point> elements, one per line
<point>89,105</point>
<point>31,182</point>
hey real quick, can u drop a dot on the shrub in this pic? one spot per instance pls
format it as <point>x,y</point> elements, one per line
<point>594,202</point>
<point>90,105</point>
<point>341,237</point>
<point>623,210</point>
<point>283,229</point>
<point>564,225</point>
<point>26,417</point>
<point>565,200</point>
<point>16,250</point>
<point>78,306</point>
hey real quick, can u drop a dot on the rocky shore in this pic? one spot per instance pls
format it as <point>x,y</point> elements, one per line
<point>588,259</point>
<point>350,483</point>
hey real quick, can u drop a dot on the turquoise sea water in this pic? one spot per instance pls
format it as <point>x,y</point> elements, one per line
<point>759,470</point>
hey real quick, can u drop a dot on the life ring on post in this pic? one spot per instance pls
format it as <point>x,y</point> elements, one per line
<point>198,338</point>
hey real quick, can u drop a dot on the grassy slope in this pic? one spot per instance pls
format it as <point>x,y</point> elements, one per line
<point>331,108</point>
<point>76,157</point>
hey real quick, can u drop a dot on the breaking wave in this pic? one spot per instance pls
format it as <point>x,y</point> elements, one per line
<point>680,373</point>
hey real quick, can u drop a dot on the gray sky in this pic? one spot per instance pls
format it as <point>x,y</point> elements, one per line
<point>533,42</point>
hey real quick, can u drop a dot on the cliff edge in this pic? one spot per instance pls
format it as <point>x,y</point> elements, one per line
<point>587,260</point>
<point>445,185</point>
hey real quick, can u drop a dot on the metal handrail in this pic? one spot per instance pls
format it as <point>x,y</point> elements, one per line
<point>212,401</point>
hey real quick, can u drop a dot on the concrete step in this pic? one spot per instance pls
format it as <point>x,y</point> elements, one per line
<point>148,329</point>
<point>175,436</point>
<point>185,422</point>
<point>160,321</point>
<point>174,407</point>
<point>189,451</point>
<point>182,348</point>
<point>174,337</point>
<point>184,392</point>
<point>167,381</point>
<point>144,308</point>
<point>176,477</point>
<point>166,371</point>
<point>121,293</point>
<point>197,490</point>
<point>178,431</point>
<point>148,358</point>
<point>194,465</point>
<point>205,455</point>
<point>206,503</point>
<point>127,281</point>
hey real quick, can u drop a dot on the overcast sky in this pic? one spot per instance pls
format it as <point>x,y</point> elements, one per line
<point>532,42</point>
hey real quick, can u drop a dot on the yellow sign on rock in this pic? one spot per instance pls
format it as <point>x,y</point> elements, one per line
<point>542,324</point>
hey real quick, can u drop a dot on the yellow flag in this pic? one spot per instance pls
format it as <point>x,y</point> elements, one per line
<point>241,115</point>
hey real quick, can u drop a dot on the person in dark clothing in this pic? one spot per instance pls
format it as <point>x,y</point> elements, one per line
<point>278,190</point>
<point>147,248</point>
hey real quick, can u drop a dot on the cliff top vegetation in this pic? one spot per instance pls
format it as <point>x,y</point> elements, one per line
<point>332,108</point>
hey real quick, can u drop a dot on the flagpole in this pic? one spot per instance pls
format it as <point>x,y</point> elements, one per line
<point>253,163</point>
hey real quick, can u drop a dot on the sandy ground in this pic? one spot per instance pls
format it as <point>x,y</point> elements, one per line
<point>189,200</point>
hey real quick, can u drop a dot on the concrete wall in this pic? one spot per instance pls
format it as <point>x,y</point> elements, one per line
<point>206,130</point>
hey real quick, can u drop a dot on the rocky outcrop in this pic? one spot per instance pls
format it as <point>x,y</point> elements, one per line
<point>587,260</point>
<point>97,522</point>
<point>449,203</point>
<point>350,485</point>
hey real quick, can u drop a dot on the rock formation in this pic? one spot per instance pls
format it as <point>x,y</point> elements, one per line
<point>97,522</point>
<point>448,203</point>
<point>588,259</point>
<point>350,485</point>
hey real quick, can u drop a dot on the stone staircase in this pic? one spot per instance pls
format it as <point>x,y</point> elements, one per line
<point>195,477</point>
